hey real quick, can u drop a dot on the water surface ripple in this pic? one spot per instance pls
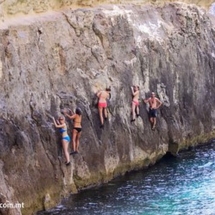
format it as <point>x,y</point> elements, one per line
<point>184,185</point>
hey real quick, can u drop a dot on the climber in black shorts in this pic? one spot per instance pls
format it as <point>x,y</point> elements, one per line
<point>77,129</point>
<point>154,104</point>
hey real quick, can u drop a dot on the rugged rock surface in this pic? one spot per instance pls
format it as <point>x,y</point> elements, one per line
<point>62,59</point>
<point>13,8</point>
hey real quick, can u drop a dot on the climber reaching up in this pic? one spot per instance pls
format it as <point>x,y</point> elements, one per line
<point>135,102</point>
<point>77,129</point>
<point>61,124</point>
<point>102,104</point>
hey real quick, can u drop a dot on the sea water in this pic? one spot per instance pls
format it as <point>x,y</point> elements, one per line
<point>182,185</point>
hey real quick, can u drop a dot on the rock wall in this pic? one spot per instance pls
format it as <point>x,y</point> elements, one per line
<point>14,8</point>
<point>62,59</point>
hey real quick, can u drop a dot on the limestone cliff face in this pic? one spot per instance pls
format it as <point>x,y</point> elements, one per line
<point>14,8</point>
<point>62,59</point>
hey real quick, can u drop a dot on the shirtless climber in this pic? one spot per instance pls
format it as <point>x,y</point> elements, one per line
<point>154,104</point>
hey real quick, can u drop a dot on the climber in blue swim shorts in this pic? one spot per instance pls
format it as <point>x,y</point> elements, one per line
<point>61,124</point>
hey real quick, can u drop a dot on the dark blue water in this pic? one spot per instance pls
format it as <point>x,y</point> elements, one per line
<point>183,185</point>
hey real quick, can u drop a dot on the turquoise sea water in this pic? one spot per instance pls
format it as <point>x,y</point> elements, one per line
<point>183,185</point>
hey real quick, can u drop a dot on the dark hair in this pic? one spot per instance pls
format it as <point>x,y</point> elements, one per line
<point>78,111</point>
<point>108,89</point>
